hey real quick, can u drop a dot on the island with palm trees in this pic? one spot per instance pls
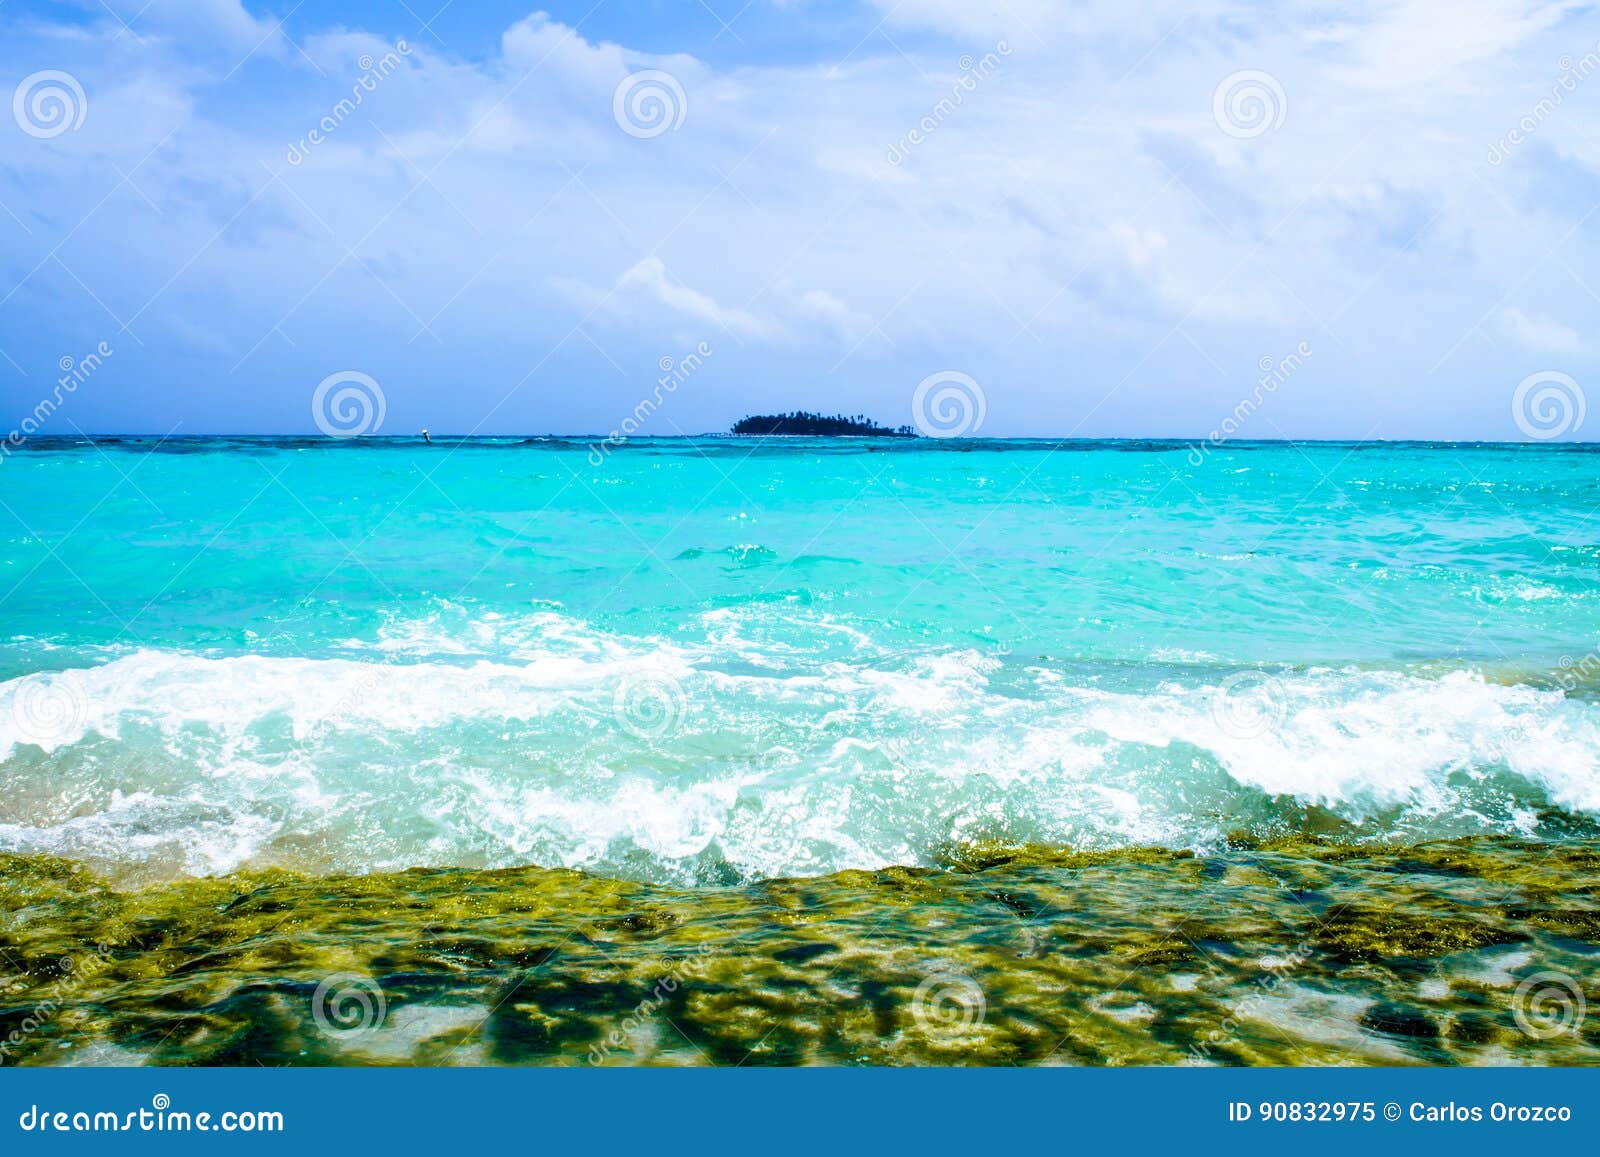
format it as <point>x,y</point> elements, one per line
<point>806,424</point>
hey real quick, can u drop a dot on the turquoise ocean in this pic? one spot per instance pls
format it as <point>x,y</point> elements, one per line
<point>709,661</point>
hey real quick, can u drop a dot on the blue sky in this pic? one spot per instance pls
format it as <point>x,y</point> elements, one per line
<point>1130,210</point>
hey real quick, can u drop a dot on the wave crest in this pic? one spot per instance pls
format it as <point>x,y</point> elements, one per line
<point>775,762</point>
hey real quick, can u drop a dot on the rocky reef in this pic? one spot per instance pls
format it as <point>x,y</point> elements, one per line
<point>1478,951</point>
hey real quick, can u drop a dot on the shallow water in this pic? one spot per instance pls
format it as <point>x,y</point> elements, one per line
<point>1480,951</point>
<point>718,661</point>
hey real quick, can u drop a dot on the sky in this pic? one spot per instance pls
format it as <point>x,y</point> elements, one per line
<point>1189,219</point>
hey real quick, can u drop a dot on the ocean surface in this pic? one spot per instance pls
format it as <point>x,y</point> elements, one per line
<point>713,661</point>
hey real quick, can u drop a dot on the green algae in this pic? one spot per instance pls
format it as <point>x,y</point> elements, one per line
<point>1293,951</point>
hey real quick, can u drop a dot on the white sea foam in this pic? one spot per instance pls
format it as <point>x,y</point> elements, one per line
<point>520,743</point>
<point>230,695</point>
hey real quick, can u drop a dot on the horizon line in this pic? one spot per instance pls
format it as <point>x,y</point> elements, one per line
<point>1203,441</point>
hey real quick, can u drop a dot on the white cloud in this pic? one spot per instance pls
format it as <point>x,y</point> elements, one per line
<point>648,286</point>
<point>1399,44</point>
<point>222,25</point>
<point>1078,211</point>
<point>1541,334</point>
<point>820,305</point>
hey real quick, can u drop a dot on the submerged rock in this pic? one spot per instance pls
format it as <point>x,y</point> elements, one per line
<point>1282,953</point>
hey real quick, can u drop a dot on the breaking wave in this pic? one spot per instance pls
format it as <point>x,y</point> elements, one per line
<point>745,754</point>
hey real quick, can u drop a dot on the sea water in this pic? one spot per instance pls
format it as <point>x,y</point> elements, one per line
<point>708,661</point>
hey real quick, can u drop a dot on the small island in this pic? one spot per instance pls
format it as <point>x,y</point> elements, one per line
<point>805,424</point>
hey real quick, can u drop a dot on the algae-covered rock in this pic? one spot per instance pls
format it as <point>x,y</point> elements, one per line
<point>1292,951</point>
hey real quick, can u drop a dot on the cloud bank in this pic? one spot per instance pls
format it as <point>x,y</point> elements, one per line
<point>1108,216</point>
